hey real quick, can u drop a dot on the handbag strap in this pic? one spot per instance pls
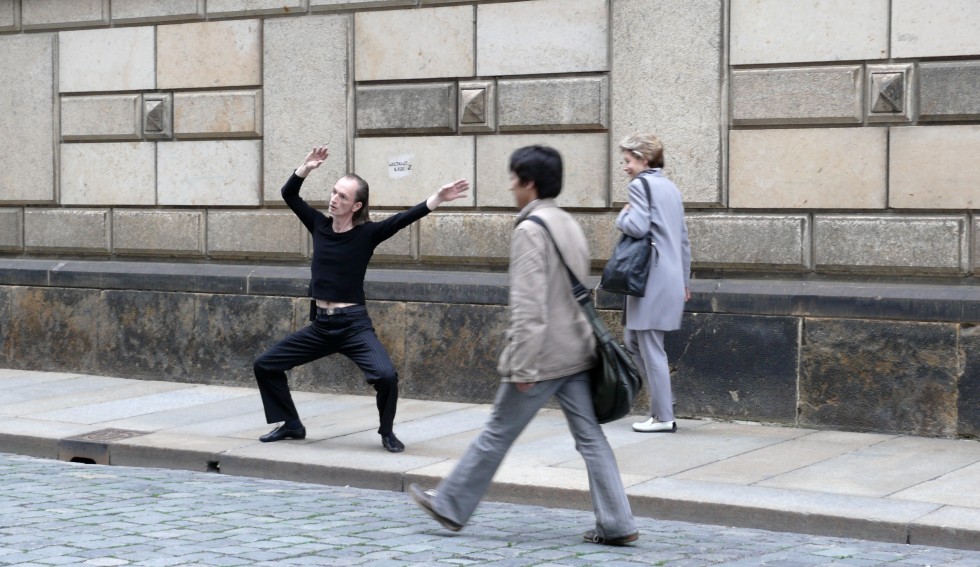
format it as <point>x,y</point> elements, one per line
<point>646,187</point>
<point>578,290</point>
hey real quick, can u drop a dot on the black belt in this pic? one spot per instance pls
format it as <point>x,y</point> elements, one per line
<point>331,311</point>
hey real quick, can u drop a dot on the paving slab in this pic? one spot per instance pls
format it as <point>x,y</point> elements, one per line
<point>949,526</point>
<point>100,394</point>
<point>31,389</point>
<point>960,487</point>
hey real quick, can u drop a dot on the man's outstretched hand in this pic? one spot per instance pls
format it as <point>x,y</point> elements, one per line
<point>313,160</point>
<point>449,192</point>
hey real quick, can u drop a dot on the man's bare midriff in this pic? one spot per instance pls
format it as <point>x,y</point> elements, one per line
<point>324,304</point>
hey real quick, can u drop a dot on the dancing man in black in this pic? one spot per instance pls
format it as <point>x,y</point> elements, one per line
<point>343,243</point>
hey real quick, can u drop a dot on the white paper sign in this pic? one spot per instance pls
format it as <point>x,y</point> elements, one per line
<point>400,166</point>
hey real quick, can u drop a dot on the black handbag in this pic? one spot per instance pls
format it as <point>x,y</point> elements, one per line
<point>615,379</point>
<point>628,268</point>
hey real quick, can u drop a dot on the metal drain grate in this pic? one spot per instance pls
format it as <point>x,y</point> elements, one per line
<point>93,447</point>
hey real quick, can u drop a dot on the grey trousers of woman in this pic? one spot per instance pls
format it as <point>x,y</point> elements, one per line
<point>647,348</point>
<point>460,492</point>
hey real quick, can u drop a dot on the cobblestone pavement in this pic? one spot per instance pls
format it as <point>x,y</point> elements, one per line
<point>55,513</point>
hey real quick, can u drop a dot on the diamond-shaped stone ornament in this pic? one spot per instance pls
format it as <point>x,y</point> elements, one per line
<point>474,106</point>
<point>888,92</point>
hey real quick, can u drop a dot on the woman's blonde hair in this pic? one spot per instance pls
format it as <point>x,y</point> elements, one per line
<point>647,147</point>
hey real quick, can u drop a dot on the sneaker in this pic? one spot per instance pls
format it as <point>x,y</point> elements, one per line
<point>424,499</point>
<point>653,426</point>
<point>592,537</point>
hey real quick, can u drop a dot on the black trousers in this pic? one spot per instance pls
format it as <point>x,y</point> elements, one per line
<point>348,331</point>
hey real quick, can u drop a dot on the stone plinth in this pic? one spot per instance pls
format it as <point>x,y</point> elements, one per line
<point>42,317</point>
<point>461,236</point>
<point>749,241</point>
<point>404,171</point>
<point>119,59</point>
<point>805,95</point>
<point>83,231</point>
<point>158,232</point>
<point>209,54</point>
<point>767,168</point>
<point>91,174</point>
<point>934,167</point>
<point>216,173</point>
<point>256,234</point>
<point>968,407</point>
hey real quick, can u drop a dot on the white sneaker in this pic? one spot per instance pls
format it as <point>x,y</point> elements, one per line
<point>653,426</point>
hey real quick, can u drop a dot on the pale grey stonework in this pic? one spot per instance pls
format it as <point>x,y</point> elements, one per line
<point>209,54</point>
<point>256,234</point>
<point>806,95</point>
<point>233,8</point>
<point>49,14</point>
<point>113,117</point>
<point>406,109</point>
<point>585,167</point>
<point>675,96</point>
<point>27,118</point>
<point>934,167</point>
<point>305,101</point>
<point>720,240</point>
<point>601,233</point>
<point>84,231</point>
<point>158,232</point>
<point>579,103</point>
<point>976,244</point>
<point>224,114</point>
<point>555,36</point>
<point>12,229</point>
<point>461,237</point>
<point>949,91</point>
<point>405,170</point>
<point>926,28</point>
<point>401,246</point>
<point>150,11</point>
<point>105,173</point>
<point>895,244</point>
<point>118,59</point>
<point>9,15</point>
<point>209,173</point>
<point>318,5</point>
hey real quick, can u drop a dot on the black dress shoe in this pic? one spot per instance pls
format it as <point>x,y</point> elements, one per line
<point>592,537</point>
<point>392,444</point>
<point>282,432</point>
<point>424,499</point>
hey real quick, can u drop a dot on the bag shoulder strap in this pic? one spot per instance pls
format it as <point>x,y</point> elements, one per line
<point>578,290</point>
<point>646,187</point>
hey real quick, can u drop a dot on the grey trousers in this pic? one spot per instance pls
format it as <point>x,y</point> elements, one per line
<point>460,492</point>
<point>647,348</point>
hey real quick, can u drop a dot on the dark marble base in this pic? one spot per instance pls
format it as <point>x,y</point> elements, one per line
<point>968,408</point>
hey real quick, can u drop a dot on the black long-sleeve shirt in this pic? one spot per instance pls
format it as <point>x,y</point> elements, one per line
<point>340,259</point>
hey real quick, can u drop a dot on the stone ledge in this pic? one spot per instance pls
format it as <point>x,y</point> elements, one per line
<point>852,300</point>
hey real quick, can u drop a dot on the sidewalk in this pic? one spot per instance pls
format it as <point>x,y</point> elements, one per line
<point>879,487</point>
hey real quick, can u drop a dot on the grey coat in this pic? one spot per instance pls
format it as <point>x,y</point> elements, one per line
<point>662,306</point>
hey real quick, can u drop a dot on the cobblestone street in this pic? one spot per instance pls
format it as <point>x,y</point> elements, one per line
<point>56,513</point>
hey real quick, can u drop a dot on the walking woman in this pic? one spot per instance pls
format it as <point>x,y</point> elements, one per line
<point>662,306</point>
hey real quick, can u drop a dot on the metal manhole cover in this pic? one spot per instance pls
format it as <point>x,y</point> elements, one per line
<point>107,435</point>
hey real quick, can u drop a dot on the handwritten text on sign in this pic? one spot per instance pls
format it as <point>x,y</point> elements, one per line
<point>400,166</point>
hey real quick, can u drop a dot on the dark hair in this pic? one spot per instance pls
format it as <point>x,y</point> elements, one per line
<point>539,164</point>
<point>361,215</point>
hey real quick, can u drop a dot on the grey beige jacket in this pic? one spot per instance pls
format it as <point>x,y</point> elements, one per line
<point>549,336</point>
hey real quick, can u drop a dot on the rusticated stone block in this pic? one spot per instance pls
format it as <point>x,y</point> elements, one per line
<point>131,11</point>
<point>52,329</point>
<point>749,241</point>
<point>50,14</point>
<point>9,15</point>
<point>894,243</point>
<point>413,44</point>
<point>584,162</point>
<point>27,118</point>
<point>461,237</point>
<point>398,246</point>
<point>882,376</point>
<point>209,54</point>
<point>805,95</point>
<point>601,233</point>
<point>934,167</point>
<point>90,174</point>
<point>558,36</point>
<point>404,171</point>
<point>12,230</point>
<point>115,117</point>
<point>406,109</point>
<point>787,169</point>
<point>300,114</point>
<point>948,91</point>
<point>922,28</point>
<point>735,366</point>
<point>234,8</point>
<point>156,232</point>
<point>209,173</point>
<point>119,59</point>
<point>271,234</point>
<point>684,111</point>
<point>968,407</point>
<point>832,30</point>
<point>218,336</point>
<point>233,114</point>
<point>67,230</point>
<point>580,103</point>
<point>320,5</point>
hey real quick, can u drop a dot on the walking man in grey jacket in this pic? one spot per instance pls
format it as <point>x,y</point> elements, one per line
<point>548,350</point>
